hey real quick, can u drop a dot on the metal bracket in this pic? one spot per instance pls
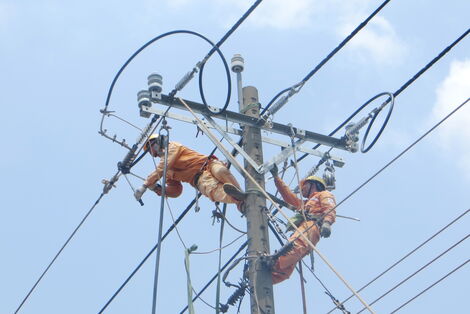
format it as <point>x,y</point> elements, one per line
<point>253,122</point>
<point>209,123</point>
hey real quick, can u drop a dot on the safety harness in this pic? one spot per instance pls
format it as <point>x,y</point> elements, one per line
<point>300,217</point>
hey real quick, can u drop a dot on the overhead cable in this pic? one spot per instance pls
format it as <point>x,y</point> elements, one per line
<point>60,251</point>
<point>402,88</point>
<point>417,271</point>
<point>149,253</point>
<point>399,155</point>
<point>178,86</point>
<point>405,256</point>
<point>435,283</point>
<point>160,221</point>
<point>296,88</point>
<point>215,48</point>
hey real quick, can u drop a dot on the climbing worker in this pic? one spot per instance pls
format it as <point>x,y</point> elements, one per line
<point>318,203</point>
<point>206,173</point>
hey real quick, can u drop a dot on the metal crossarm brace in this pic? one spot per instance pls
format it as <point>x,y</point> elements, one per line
<point>283,155</point>
<point>253,122</point>
<point>217,143</point>
<point>233,143</point>
<point>338,161</point>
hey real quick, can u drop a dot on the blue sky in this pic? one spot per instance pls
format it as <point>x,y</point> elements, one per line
<point>57,61</point>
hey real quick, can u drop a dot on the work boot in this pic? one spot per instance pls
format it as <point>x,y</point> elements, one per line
<point>234,192</point>
<point>270,260</point>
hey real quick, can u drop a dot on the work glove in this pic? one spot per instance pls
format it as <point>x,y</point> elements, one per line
<point>274,171</point>
<point>139,192</point>
<point>325,230</point>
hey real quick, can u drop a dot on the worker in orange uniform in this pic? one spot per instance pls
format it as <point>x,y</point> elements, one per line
<point>206,173</point>
<point>318,203</point>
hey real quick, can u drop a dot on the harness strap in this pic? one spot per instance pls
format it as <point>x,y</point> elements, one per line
<point>204,166</point>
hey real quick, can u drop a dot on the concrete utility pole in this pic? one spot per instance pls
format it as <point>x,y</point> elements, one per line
<point>262,299</point>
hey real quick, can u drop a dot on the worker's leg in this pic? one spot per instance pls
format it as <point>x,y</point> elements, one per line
<point>285,265</point>
<point>222,174</point>
<point>213,189</point>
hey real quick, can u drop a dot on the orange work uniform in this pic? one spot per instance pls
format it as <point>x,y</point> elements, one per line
<point>318,203</point>
<point>187,165</point>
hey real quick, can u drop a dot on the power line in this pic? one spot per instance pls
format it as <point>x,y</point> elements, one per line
<point>60,251</point>
<point>400,154</point>
<point>328,57</point>
<point>402,88</point>
<point>435,283</point>
<point>420,269</point>
<point>404,257</point>
<point>150,253</point>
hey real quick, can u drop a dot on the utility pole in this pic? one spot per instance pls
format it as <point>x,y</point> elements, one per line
<point>262,299</point>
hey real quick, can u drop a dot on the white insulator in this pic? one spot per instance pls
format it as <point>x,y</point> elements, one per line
<point>238,64</point>
<point>143,99</point>
<point>155,83</point>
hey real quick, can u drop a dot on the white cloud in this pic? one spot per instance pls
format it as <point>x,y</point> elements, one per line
<point>281,14</point>
<point>454,134</point>
<point>377,40</point>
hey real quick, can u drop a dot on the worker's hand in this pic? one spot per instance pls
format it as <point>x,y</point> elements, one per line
<point>139,192</point>
<point>274,171</point>
<point>158,189</point>
<point>325,230</point>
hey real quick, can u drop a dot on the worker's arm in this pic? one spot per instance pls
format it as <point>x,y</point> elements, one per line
<point>173,153</point>
<point>328,203</point>
<point>286,193</point>
<point>173,188</point>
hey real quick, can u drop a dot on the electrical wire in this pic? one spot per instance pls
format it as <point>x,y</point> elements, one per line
<point>195,252</point>
<point>435,283</point>
<point>330,55</point>
<point>214,48</point>
<point>162,210</point>
<point>149,254</point>
<point>420,269</point>
<point>398,156</point>
<point>403,87</point>
<point>405,256</point>
<point>59,252</point>
<point>219,262</point>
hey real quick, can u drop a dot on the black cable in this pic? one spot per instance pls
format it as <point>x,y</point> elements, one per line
<point>219,265</point>
<point>216,47</point>
<point>402,88</point>
<point>229,87</point>
<point>435,283</point>
<point>215,276</point>
<point>332,53</point>
<point>397,157</point>
<point>431,63</point>
<point>60,251</point>
<point>174,91</point>
<point>420,269</point>
<point>234,27</point>
<point>150,253</point>
<point>404,257</point>
<point>384,124</point>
